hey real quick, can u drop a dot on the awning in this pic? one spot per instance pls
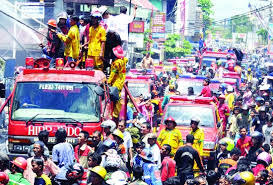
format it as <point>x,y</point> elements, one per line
<point>144,4</point>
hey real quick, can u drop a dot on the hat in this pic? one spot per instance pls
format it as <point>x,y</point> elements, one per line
<point>151,136</point>
<point>117,178</point>
<point>118,52</point>
<point>102,9</point>
<point>146,154</point>
<point>170,119</point>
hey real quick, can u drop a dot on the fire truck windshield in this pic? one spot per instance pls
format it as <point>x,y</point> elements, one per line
<point>49,100</point>
<point>209,60</point>
<point>183,86</point>
<point>138,88</point>
<point>183,114</point>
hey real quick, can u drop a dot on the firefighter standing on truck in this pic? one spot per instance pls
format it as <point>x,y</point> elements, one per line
<point>72,40</point>
<point>97,39</point>
<point>55,47</point>
<point>117,75</point>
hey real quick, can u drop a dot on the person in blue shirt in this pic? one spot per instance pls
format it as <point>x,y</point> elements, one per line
<point>62,152</point>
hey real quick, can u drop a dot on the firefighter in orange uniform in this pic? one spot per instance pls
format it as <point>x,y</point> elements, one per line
<point>117,75</point>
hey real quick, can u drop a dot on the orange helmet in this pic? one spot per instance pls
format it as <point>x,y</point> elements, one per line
<point>20,162</point>
<point>52,22</point>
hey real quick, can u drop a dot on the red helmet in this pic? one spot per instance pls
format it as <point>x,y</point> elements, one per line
<point>170,119</point>
<point>4,178</point>
<point>20,162</point>
<point>52,22</point>
<point>118,52</point>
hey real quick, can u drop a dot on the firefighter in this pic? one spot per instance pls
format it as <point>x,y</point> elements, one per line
<point>19,165</point>
<point>55,47</point>
<point>61,23</point>
<point>97,175</point>
<point>117,75</point>
<point>72,40</point>
<point>97,39</point>
<point>198,134</point>
<point>170,135</point>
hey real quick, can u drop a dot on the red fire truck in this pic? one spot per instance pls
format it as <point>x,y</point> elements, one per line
<point>47,99</point>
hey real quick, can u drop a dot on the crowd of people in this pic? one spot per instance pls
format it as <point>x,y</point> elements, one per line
<point>134,151</point>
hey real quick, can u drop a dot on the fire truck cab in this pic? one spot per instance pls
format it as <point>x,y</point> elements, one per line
<point>183,108</point>
<point>47,99</point>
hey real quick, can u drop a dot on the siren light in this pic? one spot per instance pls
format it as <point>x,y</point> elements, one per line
<point>29,62</point>
<point>89,64</point>
<point>59,63</point>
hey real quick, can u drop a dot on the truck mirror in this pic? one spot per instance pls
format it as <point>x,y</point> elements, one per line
<point>99,90</point>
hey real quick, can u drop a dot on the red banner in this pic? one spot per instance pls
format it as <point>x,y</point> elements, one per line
<point>137,27</point>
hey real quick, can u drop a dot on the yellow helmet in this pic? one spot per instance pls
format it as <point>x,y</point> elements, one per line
<point>248,177</point>
<point>99,170</point>
<point>118,133</point>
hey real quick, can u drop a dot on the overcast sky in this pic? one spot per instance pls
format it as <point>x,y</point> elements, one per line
<point>227,8</point>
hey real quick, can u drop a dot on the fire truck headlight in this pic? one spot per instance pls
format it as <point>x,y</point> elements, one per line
<point>209,145</point>
<point>26,148</point>
<point>18,147</point>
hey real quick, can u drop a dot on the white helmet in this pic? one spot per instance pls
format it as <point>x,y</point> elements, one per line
<point>264,87</point>
<point>62,15</point>
<point>109,123</point>
<point>230,88</point>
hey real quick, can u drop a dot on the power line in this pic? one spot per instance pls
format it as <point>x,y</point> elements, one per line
<point>238,16</point>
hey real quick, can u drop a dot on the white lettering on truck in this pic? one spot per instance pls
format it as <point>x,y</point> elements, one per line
<point>71,131</point>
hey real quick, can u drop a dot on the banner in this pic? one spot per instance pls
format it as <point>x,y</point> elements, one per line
<point>183,14</point>
<point>159,21</point>
<point>136,27</point>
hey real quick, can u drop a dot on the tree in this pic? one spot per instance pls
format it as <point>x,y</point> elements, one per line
<point>176,47</point>
<point>263,34</point>
<point>147,40</point>
<point>206,7</point>
<point>241,24</point>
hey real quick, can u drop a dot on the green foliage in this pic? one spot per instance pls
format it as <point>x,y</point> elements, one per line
<point>175,47</point>
<point>263,33</point>
<point>241,24</point>
<point>2,63</point>
<point>206,7</point>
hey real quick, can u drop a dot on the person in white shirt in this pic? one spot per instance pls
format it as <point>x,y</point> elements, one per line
<point>128,143</point>
<point>121,26</point>
<point>154,149</point>
<point>267,130</point>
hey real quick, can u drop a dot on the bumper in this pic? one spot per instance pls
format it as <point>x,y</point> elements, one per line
<point>14,155</point>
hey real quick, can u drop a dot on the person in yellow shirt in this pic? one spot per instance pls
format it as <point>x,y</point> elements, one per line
<point>97,39</point>
<point>230,97</point>
<point>198,142</point>
<point>249,75</point>
<point>117,75</point>
<point>198,134</point>
<point>71,40</point>
<point>170,135</point>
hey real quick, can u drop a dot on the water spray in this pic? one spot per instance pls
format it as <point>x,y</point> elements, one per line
<point>22,23</point>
